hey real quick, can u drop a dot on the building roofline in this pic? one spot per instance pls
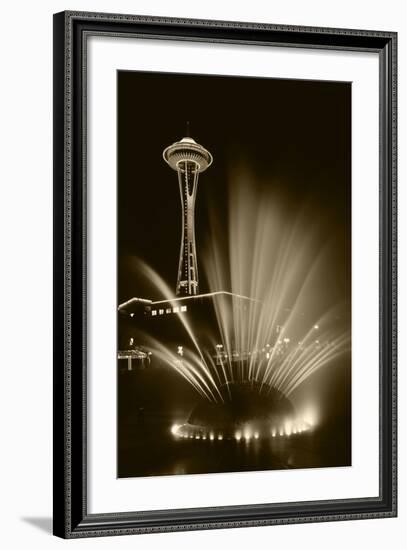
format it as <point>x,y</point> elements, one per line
<point>184,298</point>
<point>134,300</point>
<point>206,295</point>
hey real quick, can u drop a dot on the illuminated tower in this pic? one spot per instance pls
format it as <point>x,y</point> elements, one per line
<point>188,158</point>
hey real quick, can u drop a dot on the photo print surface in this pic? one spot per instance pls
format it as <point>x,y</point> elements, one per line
<point>234,274</point>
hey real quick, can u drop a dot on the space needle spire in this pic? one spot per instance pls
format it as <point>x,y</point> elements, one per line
<point>189,159</point>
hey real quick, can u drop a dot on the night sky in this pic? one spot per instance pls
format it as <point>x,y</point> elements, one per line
<point>291,134</point>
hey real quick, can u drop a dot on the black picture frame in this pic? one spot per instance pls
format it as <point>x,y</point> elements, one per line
<point>71,518</point>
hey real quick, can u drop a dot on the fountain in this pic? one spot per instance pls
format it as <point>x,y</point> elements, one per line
<point>263,328</point>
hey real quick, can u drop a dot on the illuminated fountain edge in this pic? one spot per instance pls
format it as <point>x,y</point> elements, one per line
<point>248,415</point>
<point>246,433</point>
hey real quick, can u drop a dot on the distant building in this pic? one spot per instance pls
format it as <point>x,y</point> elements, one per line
<point>169,321</point>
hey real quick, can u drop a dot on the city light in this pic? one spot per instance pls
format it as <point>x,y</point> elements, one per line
<point>175,428</point>
<point>310,415</point>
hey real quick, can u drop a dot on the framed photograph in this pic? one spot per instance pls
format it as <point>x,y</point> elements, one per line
<point>225,274</point>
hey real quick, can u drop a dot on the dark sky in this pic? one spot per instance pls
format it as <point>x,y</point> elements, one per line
<point>293,134</point>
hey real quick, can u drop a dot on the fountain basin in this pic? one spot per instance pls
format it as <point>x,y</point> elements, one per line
<point>246,414</point>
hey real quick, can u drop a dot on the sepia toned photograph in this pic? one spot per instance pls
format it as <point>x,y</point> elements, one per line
<point>225,274</point>
<point>233,274</point>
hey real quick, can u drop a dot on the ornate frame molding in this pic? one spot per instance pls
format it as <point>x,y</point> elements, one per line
<point>71,30</point>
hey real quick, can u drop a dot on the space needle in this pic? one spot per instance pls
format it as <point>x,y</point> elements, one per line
<point>189,159</point>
